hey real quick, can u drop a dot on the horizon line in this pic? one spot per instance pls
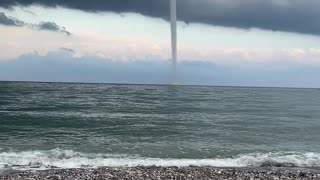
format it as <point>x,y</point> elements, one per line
<point>157,84</point>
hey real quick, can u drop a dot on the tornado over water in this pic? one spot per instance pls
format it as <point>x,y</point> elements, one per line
<point>173,17</point>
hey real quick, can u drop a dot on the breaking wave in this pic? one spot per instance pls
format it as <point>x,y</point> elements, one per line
<point>58,158</point>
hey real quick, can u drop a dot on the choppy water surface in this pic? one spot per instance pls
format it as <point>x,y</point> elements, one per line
<point>74,125</point>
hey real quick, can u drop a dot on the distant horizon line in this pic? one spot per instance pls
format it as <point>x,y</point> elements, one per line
<point>157,84</point>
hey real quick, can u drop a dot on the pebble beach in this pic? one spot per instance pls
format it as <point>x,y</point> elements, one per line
<point>154,172</point>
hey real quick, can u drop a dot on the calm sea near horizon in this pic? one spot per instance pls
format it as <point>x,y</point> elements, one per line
<point>67,125</point>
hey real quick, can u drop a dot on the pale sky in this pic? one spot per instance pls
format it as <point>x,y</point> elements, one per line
<point>136,38</point>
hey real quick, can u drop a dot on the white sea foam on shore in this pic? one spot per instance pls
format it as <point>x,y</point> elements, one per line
<point>58,158</point>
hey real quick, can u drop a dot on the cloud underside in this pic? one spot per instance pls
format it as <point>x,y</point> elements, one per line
<point>278,15</point>
<point>47,26</point>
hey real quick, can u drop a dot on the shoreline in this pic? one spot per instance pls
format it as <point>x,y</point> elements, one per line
<point>155,172</point>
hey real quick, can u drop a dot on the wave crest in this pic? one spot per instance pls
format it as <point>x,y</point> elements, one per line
<point>58,158</point>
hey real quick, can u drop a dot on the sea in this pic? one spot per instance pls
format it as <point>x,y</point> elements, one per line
<point>73,125</point>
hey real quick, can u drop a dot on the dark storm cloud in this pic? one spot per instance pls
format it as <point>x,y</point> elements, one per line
<point>52,26</point>
<point>9,21</point>
<point>47,26</point>
<point>300,16</point>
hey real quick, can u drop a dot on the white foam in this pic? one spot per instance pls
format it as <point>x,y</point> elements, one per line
<point>71,159</point>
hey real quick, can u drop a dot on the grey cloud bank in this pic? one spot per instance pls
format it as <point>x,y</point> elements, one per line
<point>60,66</point>
<point>301,16</point>
<point>47,26</point>
<point>9,21</point>
<point>52,26</point>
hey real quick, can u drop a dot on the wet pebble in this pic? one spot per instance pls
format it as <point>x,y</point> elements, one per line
<point>153,172</point>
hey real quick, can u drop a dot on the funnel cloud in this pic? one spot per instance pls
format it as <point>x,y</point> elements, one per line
<point>173,18</point>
